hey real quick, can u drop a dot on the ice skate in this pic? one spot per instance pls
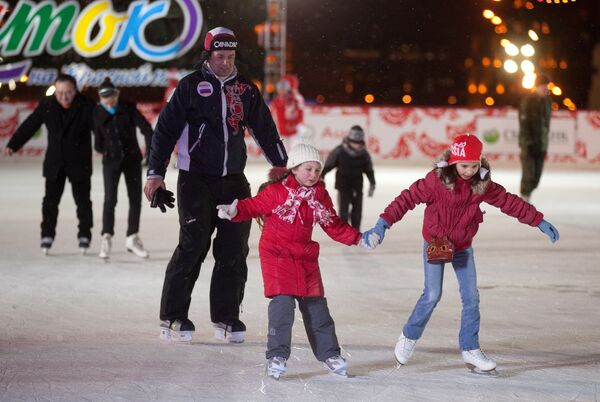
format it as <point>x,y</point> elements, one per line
<point>84,244</point>
<point>134,245</point>
<point>165,330</point>
<point>45,244</point>
<point>276,367</point>
<point>105,246</point>
<point>404,349</point>
<point>234,331</point>
<point>478,362</point>
<point>178,330</point>
<point>336,365</point>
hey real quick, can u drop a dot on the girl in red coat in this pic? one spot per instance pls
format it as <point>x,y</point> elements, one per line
<point>452,193</point>
<point>291,206</point>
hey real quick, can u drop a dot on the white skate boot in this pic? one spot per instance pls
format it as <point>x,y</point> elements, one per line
<point>45,244</point>
<point>276,367</point>
<point>134,245</point>
<point>404,349</point>
<point>233,332</point>
<point>478,362</point>
<point>105,246</point>
<point>336,365</point>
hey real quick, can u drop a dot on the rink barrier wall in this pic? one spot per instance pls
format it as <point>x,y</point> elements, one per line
<point>417,134</point>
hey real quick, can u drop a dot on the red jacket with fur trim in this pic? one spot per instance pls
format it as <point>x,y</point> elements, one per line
<point>453,208</point>
<point>288,255</point>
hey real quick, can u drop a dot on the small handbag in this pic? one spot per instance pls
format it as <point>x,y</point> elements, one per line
<point>440,250</point>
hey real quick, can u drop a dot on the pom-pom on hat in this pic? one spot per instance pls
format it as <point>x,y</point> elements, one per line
<point>465,148</point>
<point>107,88</point>
<point>301,153</point>
<point>220,38</point>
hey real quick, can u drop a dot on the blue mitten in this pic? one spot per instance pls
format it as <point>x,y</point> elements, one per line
<point>549,230</point>
<point>379,229</point>
<point>370,241</point>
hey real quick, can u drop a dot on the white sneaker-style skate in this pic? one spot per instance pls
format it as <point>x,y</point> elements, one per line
<point>478,362</point>
<point>45,244</point>
<point>404,349</point>
<point>233,332</point>
<point>84,244</point>
<point>336,365</point>
<point>134,245</point>
<point>105,246</point>
<point>276,367</point>
<point>165,330</point>
<point>178,330</point>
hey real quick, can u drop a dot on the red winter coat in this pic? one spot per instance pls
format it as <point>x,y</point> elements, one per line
<point>453,208</point>
<point>288,256</point>
<point>289,112</point>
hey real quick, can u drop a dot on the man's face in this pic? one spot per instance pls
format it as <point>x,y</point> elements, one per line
<point>65,93</point>
<point>222,62</point>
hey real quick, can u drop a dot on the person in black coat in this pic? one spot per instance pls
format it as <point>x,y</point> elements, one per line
<point>352,160</point>
<point>207,116</point>
<point>67,116</point>
<point>115,122</point>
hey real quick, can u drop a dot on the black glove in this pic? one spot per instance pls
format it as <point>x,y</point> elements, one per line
<point>161,198</point>
<point>371,190</point>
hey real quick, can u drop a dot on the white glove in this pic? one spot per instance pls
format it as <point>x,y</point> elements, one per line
<point>370,241</point>
<point>227,211</point>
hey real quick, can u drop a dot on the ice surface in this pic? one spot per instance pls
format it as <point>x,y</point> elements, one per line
<point>80,328</point>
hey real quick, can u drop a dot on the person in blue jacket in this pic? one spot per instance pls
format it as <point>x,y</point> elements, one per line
<point>207,116</point>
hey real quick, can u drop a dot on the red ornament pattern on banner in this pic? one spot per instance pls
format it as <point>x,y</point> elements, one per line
<point>373,145</point>
<point>402,149</point>
<point>9,120</point>
<point>430,147</point>
<point>453,131</point>
<point>581,149</point>
<point>396,116</point>
<point>435,113</point>
<point>594,119</point>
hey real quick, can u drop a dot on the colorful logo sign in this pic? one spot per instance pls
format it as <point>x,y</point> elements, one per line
<point>33,28</point>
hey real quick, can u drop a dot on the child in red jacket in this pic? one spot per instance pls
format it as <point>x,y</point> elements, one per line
<point>291,205</point>
<point>452,193</point>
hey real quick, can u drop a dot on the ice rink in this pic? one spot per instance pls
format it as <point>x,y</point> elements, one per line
<point>79,328</point>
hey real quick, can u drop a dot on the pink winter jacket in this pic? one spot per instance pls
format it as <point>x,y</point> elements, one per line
<point>453,208</point>
<point>288,256</point>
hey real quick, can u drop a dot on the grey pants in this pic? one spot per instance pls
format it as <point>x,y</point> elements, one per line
<point>318,323</point>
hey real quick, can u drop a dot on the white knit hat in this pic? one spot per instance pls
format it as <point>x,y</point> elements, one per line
<point>301,153</point>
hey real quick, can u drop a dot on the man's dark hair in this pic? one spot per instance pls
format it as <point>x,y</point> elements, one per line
<point>66,77</point>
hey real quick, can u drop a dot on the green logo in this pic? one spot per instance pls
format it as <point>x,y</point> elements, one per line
<point>491,136</point>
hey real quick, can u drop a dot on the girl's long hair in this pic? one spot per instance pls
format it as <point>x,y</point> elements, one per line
<point>448,175</point>
<point>261,219</point>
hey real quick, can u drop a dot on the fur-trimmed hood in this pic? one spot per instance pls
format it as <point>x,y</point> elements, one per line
<point>479,184</point>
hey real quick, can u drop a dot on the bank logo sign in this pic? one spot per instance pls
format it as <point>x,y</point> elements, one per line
<point>32,28</point>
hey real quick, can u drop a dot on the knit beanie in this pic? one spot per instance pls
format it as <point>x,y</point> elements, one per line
<point>220,38</point>
<point>301,153</point>
<point>106,88</point>
<point>465,148</point>
<point>356,134</point>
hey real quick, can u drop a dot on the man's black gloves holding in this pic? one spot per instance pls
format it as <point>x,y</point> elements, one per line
<point>161,198</point>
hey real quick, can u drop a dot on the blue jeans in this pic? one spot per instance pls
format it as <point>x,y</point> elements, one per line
<point>464,268</point>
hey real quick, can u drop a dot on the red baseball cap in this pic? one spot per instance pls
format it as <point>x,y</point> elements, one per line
<point>465,148</point>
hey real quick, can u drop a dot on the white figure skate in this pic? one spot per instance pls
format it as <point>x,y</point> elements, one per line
<point>276,367</point>
<point>336,365</point>
<point>404,349</point>
<point>478,362</point>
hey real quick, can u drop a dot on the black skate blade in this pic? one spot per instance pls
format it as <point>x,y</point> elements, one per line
<point>490,373</point>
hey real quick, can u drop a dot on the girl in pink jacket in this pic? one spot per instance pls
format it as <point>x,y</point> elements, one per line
<point>291,205</point>
<point>452,193</point>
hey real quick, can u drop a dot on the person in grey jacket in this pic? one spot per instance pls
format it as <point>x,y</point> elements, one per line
<point>207,116</point>
<point>352,160</point>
